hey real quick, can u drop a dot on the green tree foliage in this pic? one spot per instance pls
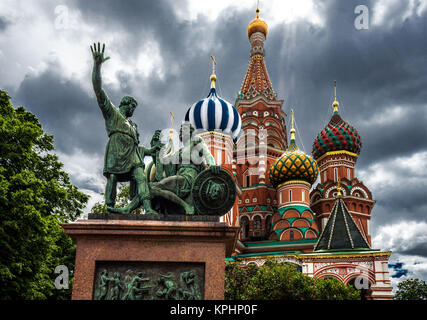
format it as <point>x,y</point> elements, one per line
<point>35,196</point>
<point>236,279</point>
<point>411,289</point>
<point>281,281</point>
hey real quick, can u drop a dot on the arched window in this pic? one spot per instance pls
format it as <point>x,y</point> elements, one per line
<point>335,174</point>
<point>244,225</point>
<point>257,225</point>
<point>291,235</point>
<point>248,181</point>
<point>290,195</point>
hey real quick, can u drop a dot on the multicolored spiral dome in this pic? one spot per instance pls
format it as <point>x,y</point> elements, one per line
<point>293,164</point>
<point>338,135</point>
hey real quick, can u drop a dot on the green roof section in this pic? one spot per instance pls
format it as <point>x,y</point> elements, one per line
<point>230,259</point>
<point>302,229</point>
<point>252,208</point>
<point>277,243</point>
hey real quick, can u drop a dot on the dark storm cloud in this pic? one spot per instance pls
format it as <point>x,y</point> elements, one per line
<point>402,137</point>
<point>142,20</point>
<point>419,249</point>
<point>184,46</point>
<point>64,110</point>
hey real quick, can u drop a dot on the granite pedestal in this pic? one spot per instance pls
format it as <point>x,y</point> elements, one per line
<point>146,244</point>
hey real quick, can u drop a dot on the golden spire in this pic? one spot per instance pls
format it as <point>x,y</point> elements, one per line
<point>339,187</point>
<point>213,76</point>
<point>335,104</point>
<point>292,126</point>
<point>171,129</point>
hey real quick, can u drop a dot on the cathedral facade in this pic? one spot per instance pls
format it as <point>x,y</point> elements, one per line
<point>324,229</point>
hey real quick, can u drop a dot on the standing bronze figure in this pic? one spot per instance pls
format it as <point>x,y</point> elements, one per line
<point>123,160</point>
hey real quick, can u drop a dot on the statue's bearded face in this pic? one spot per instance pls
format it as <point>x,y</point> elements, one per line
<point>128,109</point>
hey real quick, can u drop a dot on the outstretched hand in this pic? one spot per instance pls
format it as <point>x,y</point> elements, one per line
<point>98,54</point>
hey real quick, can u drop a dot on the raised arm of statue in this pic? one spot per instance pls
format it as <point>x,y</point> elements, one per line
<point>98,60</point>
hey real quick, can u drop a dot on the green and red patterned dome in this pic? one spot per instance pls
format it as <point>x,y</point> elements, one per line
<point>338,135</point>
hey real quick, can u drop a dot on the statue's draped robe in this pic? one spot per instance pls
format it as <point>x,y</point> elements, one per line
<point>121,152</point>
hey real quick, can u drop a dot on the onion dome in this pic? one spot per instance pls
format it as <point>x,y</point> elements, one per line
<point>257,25</point>
<point>214,113</point>
<point>338,135</point>
<point>293,164</point>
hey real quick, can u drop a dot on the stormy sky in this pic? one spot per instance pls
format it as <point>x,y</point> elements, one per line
<point>160,54</point>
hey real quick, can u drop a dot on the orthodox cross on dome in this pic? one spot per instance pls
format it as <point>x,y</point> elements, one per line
<point>292,145</point>
<point>335,103</point>
<point>292,125</point>
<point>213,76</point>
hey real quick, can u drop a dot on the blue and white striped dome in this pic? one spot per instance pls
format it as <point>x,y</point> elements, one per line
<point>215,114</point>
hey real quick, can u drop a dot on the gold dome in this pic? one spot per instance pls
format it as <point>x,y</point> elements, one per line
<point>293,164</point>
<point>257,25</point>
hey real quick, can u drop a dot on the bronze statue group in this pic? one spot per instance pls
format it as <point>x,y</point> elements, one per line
<point>170,189</point>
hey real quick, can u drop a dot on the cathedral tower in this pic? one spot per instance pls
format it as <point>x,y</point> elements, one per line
<point>218,123</point>
<point>336,149</point>
<point>262,141</point>
<point>292,175</point>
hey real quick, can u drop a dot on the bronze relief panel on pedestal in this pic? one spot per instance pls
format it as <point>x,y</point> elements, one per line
<point>124,280</point>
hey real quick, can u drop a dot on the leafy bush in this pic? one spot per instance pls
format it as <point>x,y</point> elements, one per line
<point>281,281</point>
